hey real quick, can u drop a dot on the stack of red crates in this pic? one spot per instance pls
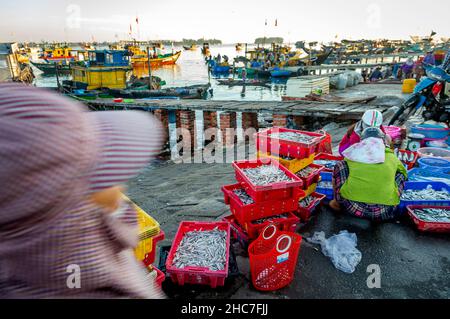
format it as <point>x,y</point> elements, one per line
<point>296,156</point>
<point>277,199</point>
<point>269,201</point>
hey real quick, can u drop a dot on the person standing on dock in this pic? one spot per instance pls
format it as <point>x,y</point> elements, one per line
<point>65,231</point>
<point>407,69</point>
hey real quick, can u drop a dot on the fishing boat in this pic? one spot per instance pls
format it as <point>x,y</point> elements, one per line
<point>58,53</point>
<point>280,73</point>
<point>217,68</point>
<point>233,82</point>
<point>51,68</point>
<point>139,59</point>
<point>187,92</point>
<point>104,69</point>
<point>192,47</point>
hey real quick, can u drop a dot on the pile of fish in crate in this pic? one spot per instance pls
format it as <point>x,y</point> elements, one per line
<point>426,197</point>
<point>278,188</point>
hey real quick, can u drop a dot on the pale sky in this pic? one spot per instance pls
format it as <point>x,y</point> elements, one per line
<point>231,21</point>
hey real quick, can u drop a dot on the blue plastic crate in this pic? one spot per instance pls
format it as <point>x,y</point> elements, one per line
<point>326,176</point>
<point>423,185</point>
<point>421,174</point>
<point>434,163</point>
<point>328,192</point>
<point>431,131</point>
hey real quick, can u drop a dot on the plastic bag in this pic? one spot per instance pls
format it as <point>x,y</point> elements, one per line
<point>341,81</point>
<point>340,248</point>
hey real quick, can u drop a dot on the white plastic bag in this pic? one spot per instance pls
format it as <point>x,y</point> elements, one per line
<point>340,248</point>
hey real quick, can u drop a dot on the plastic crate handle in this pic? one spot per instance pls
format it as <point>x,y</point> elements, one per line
<point>268,236</point>
<point>197,269</point>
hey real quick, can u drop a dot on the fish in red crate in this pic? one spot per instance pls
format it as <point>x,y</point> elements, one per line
<point>287,142</point>
<point>267,180</point>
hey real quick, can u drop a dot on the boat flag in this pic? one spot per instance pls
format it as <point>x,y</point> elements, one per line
<point>131,29</point>
<point>137,20</point>
<point>276,22</point>
<point>266,22</point>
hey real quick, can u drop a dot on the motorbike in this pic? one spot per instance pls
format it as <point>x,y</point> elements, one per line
<point>429,94</point>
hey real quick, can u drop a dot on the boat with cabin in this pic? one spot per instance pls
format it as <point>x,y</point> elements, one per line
<point>104,69</point>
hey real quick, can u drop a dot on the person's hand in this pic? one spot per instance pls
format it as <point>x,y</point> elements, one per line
<point>109,198</point>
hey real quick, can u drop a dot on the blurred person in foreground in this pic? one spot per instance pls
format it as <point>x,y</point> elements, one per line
<point>369,182</point>
<point>62,171</point>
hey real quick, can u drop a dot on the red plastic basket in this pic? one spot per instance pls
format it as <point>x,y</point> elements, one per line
<point>150,257</point>
<point>284,224</point>
<point>428,226</point>
<point>305,212</point>
<point>265,143</point>
<point>413,163</point>
<point>277,191</point>
<point>330,157</point>
<point>247,213</point>
<point>273,258</point>
<point>197,275</point>
<point>312,178</point>
<point>160,277</point>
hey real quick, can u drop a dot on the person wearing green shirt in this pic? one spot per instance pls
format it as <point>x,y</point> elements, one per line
<point>369,182</point>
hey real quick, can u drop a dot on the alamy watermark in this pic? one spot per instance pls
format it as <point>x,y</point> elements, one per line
<point>74,279</point>
<point>73,19</point>
<point>374,279</point>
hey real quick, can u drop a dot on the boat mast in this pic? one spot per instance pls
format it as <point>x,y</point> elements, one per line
<point>149,70</point>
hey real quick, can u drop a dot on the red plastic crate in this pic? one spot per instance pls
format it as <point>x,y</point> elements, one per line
<point>245,237</point>
<point>275,146</point>
<point>428,226</point>
<point>255,211</point>
<point>150,257</point>
<point>330,157</point>
<point>277,191</point>
<point>197,275</point>
<point>237,232</point>
<point>325,145</point>
<point>305,212</point>
<point>284,224</point>
<point>313,178</point>
<point>160,277</point>
<point>413,163</point>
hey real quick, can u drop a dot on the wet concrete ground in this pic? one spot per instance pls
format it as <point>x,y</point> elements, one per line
<point>413,265</point>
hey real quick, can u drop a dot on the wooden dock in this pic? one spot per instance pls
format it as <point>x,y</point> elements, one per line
<point>337,110</point>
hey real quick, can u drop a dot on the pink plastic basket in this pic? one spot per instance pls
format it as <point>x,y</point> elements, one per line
<point>197,275</point>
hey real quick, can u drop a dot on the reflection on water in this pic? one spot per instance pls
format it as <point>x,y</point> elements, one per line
<point>191,70</point>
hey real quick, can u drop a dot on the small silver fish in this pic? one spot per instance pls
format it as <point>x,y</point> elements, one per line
<point>266,175</point>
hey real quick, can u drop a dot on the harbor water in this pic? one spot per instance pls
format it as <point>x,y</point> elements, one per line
<point>191,69</point>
